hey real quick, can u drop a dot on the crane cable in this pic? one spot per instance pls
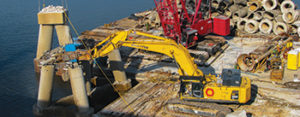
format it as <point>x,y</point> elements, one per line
<point>44,5</point>
<point>110,82</point>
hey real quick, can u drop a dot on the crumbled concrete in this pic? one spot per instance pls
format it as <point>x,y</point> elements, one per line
<point>53,9</point>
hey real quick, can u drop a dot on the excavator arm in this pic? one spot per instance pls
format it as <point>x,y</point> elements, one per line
<point>165,46</point>
<point>194,84</point>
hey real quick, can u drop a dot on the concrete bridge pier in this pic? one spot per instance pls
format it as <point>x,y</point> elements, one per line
<point>45,86</point>
<point>79,88</point>
<point>121,83</point>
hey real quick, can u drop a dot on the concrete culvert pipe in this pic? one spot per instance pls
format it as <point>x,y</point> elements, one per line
<point>240,2</point>
<point>231,10</point>
<point>228,13</point>
<point>279,28</point>
<point>224,5</point>
<point>254,6</point>
<point>214,14</point>
<point>217,3</point>
<point>232,24</point>
<point>242,12</point>
<point>293,29</point>
<point>250,16</point>
<point>278,18</point>
<point>297,23</point>
<point>266,26</point>
<point>280,1</point>
<point>269,4</point>
<point>291,16</point>
<point>251,26</point>
<point>287,6</point>
<point>258,15</point>
<point>271,14</point>
<point>241,24</point>
<point>298,31</point>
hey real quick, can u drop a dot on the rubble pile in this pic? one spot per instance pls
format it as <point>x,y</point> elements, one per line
<point>53,9</point>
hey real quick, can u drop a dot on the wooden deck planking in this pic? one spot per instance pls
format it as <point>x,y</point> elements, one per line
<point>144,101</point>
<point>118,105</point>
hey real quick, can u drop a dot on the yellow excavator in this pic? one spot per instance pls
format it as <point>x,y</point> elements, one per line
<point>229,87</point>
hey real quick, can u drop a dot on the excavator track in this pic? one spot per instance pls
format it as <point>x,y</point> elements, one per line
<point>178,107</point>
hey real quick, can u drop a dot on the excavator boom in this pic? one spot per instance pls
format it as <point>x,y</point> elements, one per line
<point>165,46</point>
<point>231,87</point>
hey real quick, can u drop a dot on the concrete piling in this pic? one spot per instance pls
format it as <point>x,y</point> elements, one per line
<point>45,39</point>
<point>63,34</point>
<point>78,88</point>
<point>48,18</point>
<point>45,86</point>
<point>121,82</point>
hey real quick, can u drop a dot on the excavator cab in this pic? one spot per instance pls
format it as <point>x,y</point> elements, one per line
<point>191,86</point>
<point>231,87</point>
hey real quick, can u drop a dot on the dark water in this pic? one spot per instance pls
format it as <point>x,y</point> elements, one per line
<point>18,36</point>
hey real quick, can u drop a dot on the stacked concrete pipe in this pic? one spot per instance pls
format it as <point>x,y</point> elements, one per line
<point>254,6</point>
<point>287,6</point>
<point>298,31</point>
<point>241,24</point>
<point>259,16</point>
<point>291,16</point>
<point>266,26</point>
<point>241,13</point>
<point>271,14</point>
<point>251,26</point>
<point>269,4</point>
<point>279,28</point>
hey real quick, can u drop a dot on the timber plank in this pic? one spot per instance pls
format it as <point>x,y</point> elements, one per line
<point>118,105</point>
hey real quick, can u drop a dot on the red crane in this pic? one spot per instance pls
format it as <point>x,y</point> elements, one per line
<point>186,20</point>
